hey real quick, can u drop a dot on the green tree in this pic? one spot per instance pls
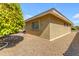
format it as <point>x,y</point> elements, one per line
<point>11,18</point>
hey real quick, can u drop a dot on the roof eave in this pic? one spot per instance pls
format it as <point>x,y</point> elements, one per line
<point>51,11</point>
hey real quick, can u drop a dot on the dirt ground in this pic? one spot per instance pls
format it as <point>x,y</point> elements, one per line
<point>35,46</point>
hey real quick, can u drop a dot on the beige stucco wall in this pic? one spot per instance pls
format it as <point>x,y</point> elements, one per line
<point>57,27</point>
<point>44,27</point>
<point>50,27</point>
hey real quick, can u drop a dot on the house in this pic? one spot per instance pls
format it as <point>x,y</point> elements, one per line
<point>50,25</point>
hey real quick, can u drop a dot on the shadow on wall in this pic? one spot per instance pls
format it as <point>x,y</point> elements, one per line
<point>73,49</point>
<point>12,40</point>
<point>42,31</point>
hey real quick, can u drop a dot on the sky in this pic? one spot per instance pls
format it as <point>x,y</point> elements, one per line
<point>70,10</point>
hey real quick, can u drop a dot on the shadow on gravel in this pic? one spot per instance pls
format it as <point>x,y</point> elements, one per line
<point>12,40</point>
<point>73,49</point>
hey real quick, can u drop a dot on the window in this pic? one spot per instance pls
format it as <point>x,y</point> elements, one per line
<point>35,25</point>
<point>66,25</point>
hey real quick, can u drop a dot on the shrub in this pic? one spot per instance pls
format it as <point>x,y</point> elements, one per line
<point>11,18</point>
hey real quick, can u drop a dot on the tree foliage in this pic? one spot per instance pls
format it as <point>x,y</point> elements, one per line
<point>11,18</point>
<point>75,28</point>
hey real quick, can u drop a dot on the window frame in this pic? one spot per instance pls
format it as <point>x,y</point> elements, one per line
<point>33,25</point>
<point>66,25</point>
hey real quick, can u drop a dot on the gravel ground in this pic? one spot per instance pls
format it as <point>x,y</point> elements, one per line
<point>35,46</point>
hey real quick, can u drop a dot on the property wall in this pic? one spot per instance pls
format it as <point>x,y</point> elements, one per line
<point>57,27</point>
<point>44,27</point>
<point>50,27</point>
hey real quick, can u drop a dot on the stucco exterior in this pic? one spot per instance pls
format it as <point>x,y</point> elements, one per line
<point>44,29</point>
<point>57,27</point>
<point>50,26</point>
